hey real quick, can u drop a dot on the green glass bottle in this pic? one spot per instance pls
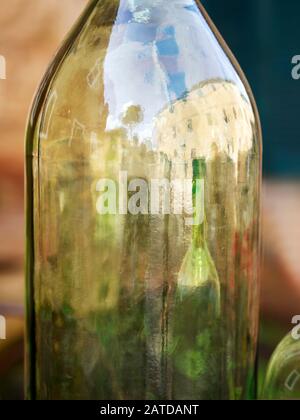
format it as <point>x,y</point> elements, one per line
<point>143,209</point>
<point>283,374</point>
<point>196,317</point>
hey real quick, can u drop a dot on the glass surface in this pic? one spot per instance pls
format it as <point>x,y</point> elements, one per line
<point>283,375</point>
<point>143,211</point>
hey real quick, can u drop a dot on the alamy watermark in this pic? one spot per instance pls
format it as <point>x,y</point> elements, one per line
<point>156,197</point>
<point>296,67</point>
<point>296,330</point>
<point>2,328</point>
<point>2,67</point>
<point>292,380</point>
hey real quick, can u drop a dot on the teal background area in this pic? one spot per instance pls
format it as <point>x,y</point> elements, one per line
<point>264,35</point>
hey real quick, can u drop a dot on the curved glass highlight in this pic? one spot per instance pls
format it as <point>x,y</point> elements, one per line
<point>143,211</point>
<point>283,375</point>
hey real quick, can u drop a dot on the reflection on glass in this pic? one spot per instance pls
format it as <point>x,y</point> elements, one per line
<point>141,300</point>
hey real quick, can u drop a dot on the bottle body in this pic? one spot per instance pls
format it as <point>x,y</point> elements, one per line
<point>142,269</point>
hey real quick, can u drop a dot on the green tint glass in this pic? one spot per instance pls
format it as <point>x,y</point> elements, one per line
<point>143,210</point>
<point>283,375</point>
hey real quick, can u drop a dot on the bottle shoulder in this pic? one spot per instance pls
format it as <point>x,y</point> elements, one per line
<point>283,373</point>
<point>164,79</point>
<point>287,352</point>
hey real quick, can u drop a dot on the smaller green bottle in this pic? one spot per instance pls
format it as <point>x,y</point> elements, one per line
<point>283,374</point>
<point>197,310</point>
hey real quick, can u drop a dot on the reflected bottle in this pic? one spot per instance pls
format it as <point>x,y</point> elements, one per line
<point>143,158</point>
<point>196,346</point>
<point>283,374</point>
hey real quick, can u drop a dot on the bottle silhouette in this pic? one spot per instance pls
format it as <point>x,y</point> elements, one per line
<point>130,293</point>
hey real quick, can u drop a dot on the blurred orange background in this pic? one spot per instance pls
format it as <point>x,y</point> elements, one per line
<point>31,31</point>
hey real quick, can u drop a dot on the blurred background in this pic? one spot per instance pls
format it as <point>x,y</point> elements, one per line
<point>263,34</point>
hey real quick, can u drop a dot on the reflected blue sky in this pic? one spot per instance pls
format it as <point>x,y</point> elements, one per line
<point>173,48</point>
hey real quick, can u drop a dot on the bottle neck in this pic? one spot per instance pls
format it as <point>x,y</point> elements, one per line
<point>199,235</point>
<point>149,7</point>
<point>133,4</point>
<point>199,228</point>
